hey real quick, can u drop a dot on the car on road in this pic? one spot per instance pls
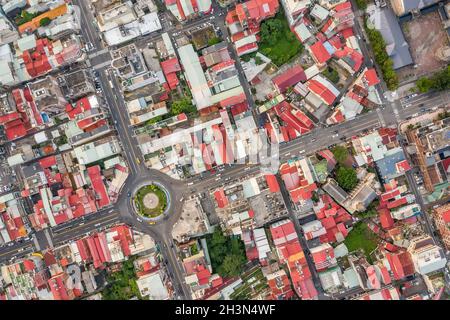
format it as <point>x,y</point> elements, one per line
<point>89,46</point>
<point>138,161</point>
<point>129,194</point>
<point>139,219</point>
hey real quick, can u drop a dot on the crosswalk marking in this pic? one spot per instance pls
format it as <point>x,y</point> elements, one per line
<point>380,116</point>
<point>98,53</point>
<point>36,243</point>
<point>49,238</point>
<point>102,65</point>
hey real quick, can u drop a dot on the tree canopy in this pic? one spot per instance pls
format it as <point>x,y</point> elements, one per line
<point>227,253</point>
<point>346,177</point>
<point>340,154</point>
<point>278,42</point>
<point>183,105</point>
<point>45,21</point>
<point>122,284</point>
<point>272,31</point>
<point>362,4</point>
<point>382,58</point>
<point>439,81</point>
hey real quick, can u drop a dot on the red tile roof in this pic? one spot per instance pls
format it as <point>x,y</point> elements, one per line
<point>402,166</point>
<point>272,182</point>
<point>96,178</point>
<point>322,91</point>
<point>320,53</point>
<point>47,162</point>
<point>170,66</point>
<point>386,218</point>
<point>80,106</point>
<point>371,77</point>
<point>401,264</point>
<point>289,78</point>
<point>221,199</point>
<point>240,98</point>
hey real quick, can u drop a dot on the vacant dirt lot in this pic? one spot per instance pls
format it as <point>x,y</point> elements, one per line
<point>425,36</point>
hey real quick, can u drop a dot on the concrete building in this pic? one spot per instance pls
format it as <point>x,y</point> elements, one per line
<point>442,220</point>
<point>426,255</point>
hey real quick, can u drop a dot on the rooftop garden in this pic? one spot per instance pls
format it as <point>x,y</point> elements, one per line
<point>25,17</point>
<point>278,42</point>
<point>361,238</point>
<point>253,283</point>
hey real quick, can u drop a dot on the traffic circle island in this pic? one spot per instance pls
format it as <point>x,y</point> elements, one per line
<point>151,201</point>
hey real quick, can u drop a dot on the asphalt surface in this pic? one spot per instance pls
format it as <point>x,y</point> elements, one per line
<point>391,113</point>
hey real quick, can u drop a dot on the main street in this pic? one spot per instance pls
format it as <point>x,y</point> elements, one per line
<point>122,212</point>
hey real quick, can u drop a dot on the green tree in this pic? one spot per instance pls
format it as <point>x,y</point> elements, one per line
<point>45,21</point>
<point>439,81</point>
<point>232,265</point>
<point>213,41</point>
<point>154,120</point>
<point>424,84</point>
<point>361,4</point>
<point>346,177</point>
<point>122,284</point>
<point>227,253</point>
<point>271,31</point>
<point>340,154</point>
<point>182,106</point>
<point>258,60</point>
<point>443,115</point>
<point>382,58</point>
<point>331,74</point>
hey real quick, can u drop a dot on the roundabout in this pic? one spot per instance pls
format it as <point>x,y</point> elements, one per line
<point>151,201</point>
